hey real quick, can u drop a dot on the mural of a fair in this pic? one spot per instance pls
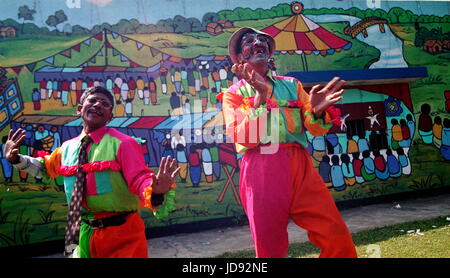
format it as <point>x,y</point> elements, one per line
<point>166,62</point>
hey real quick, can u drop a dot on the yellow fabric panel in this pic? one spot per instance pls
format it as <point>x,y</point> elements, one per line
<point>320,45</point>
<point>282,24</point>
<point>285,41</point>
<point>301,25</point>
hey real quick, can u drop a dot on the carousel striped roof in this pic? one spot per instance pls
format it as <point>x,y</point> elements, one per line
<point>298,34</point>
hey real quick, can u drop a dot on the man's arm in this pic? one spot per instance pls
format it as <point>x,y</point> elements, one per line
<point>244,125</point>
<point>140,178</point>
<point>318,113</point>
<point>39,166</point>
<point>31,165</point>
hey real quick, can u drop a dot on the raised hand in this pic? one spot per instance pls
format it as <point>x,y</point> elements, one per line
<point>15,139</point>
<point>165,176</point>
<point>321,99</point>
<point>246,72</point>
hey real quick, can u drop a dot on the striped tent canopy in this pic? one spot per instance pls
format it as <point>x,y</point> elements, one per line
<point>300,35</point>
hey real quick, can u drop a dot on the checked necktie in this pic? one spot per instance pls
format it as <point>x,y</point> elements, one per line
<point>74,215</point>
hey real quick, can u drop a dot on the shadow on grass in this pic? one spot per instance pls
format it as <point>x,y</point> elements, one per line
<point>360,239</point>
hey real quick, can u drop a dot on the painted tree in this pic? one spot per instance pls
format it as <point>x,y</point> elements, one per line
<point>395,14</point>
<point>179,24</point>
<point>194,25</point>
<point>282,10</point>
<point>228,15</point>
<point>166,24</point>
<point>56,19</point>
<point>210,17</point>
<point>26,14</point>
<point>263,13</point>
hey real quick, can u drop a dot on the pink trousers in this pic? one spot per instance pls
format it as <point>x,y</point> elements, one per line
<point>283,185</point>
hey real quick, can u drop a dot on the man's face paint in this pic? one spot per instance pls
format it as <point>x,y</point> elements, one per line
<point>255,47</point>
<point>246,53</point>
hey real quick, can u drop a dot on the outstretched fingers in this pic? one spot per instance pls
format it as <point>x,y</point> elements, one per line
<point>162,166</point>
<point>335,97</point>
<point>169,165</point>
<point>314,90</point>
<point>330,85</point>
<point>14,135</point>
<point>336,94</point>
<point>338,86</point>
<point>10,134</point>
<point>21,139</point>
<point>17,136</point>
<point>175,173</point>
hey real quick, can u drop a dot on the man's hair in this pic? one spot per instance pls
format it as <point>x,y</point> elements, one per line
<point>97,89</point>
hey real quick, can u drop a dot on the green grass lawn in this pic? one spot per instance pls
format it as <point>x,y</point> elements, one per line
<point>417,239</point>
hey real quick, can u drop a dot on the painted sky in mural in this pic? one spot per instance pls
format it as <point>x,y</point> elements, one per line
<point>91,12</point>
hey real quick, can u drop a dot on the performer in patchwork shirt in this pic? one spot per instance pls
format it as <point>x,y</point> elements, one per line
<point>267,116</point>
<point>116,186</point>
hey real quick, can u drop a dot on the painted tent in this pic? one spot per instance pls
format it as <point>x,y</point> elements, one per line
<point>113,55</point>
<point>192,125</point>
<point>30,123</point>
<point>96,72</point>
<point>107,61</point>
<point>300,35</point>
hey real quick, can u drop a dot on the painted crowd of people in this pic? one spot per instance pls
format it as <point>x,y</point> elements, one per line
<point>197,161</point>
<point>362,158</point>
<point>435,131</point>
<point>38,139</point>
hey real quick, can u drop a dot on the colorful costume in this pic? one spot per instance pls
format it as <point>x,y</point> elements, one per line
<point>278,180</point>
<point>116,188</point>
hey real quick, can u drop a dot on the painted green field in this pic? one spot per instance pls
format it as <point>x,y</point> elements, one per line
<point>30,48</point>
<point>430,89</point>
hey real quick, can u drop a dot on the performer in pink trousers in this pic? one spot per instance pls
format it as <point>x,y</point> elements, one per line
<point>281,184</point>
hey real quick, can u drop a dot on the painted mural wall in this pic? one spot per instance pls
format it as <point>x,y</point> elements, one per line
<point>166,61</point>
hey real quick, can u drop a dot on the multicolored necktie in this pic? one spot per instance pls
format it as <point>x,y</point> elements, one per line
<point>74,215</point>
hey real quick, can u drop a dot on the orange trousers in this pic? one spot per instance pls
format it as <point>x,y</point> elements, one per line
<point>125,241</point>
<point>285,185</point>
